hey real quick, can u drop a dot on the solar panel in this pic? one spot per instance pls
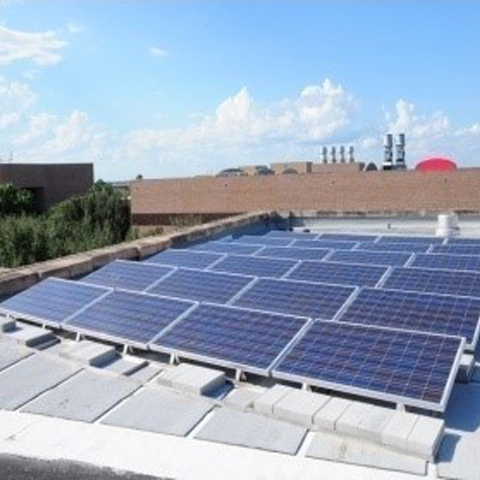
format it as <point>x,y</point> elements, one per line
<point>370,258</point>
<point>347,237</point>
<point>394,247</point>
<point>51,301</point>
<point>338,273</point>
<point>409,239</point>
<point>185,258</point>
<point>323,244</point>
<point>291,297</point>
<point>411,368</point>
<point>132,318</point>
<point>263,240</point>
<point>434,281</point>
<point>463,241</point>
<point>457,249</point>
<point>231,337</point>
<point>201,285</point>
<point>129,275</point>
<point>228,248</point>
<point>447,262</point>
<point>423,312</point>
<point>292,235</point>
<point>295,253</point>
<point>256,266</point>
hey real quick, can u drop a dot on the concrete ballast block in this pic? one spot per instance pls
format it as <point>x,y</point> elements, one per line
<point>425,437</point>
<point>299,406</point>
<point>242,398</point>
<point>397,430</point>
<point>168,376</point>
<point>199,380</point>
<point>373,423</point>
<point>326,418</point>
<point>90,353</point>
<point>465,369</point>
<point>31,336</point>
<point>351,418</point>
<point>7,325</point>
<point>266,402</point>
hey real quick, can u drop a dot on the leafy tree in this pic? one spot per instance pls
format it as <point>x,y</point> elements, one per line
<point>14,201</point>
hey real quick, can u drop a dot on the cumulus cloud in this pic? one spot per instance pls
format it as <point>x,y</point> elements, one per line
<point>15,98</point>
<point>41,48</point>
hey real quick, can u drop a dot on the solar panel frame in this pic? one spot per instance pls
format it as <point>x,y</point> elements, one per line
<point>410,239</point>
<point>470,341</point>
<point>262,240</point>
<point>17,315</point>
<point>332,245</point>
<point>95,277</point>
<point>393,247</point>
<point>156,346</point>
<point>220,275</point>
<point>349,237</point>
<point>313,254</point>
<point>227,247</point>
<point>463,241</point>
<point>393,282</point>
<point>292,234</point>
<point>69,324</point>
<point>457,262</point>
<point>381,271</point>
<point>376,258</point>
<point>209,258</point>
<point>456,249</point>
<point>329,312</point>
<point>364,392</point>
<point>244,259</point>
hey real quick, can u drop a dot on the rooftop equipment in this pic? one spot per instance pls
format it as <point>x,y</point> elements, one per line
<point>388,152</point>
<point>333,153</point>
<point>351,157</point>
<point>342,153</point>
<point>400,157</point>
<point>324,154</point>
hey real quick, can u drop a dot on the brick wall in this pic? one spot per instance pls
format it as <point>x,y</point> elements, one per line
<point>407,191</point>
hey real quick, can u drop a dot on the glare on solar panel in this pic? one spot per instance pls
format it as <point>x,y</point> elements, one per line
<point>394,247</point>
<point>457,249</point>
<point>338,273</point>
<point>447,262</point>
<point>409,368</point>
<point>51,301</point>
<point>313,300</point>
<point>370,258</point>
<point>201,285</point>
<point>255,266</point>
<point>410,239</point>
<point>294,253</point>
<point>434,281</point>
<point>230,337</point>
<point>228,248</point>
<point>347,237</point>
<point>128,275</point>
<point>423,312</point>
<point>263,240</point>
<point>335,245</point>
<point>131,318</point>
<point>185,258</point>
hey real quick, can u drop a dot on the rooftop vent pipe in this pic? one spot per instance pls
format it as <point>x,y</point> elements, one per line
<point>388,152</point>
<point>400,157</point>
<point>333,153</point>
<point>351,157</point>
<point>325,155</point>
<point>342,153</point>
<point>447,225</point>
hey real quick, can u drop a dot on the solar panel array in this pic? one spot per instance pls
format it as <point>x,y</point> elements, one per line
<point>400,309</point>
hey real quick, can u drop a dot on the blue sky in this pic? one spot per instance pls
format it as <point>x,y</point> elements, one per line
<point>184,88</point>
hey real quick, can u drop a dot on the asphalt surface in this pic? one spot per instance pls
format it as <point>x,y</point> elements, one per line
<point>20,468</point>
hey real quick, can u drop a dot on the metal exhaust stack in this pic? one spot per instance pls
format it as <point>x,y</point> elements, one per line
<point>333,153</point>
<point>388,152</point>
<point>342,153</point>
<point>351,157</point>
<point>325,155</point>
<point>400,157</point>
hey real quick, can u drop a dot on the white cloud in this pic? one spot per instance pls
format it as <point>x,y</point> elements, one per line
<point>74,28</point>
<point>158,52</point>
<point>15,98</point>
<point>41,48</point>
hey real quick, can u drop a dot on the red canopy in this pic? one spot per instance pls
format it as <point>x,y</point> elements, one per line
<point>436,164</point>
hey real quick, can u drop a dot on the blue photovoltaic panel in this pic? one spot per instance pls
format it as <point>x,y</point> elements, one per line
<point>255,266</point>
<point>231,337</point>
<point>447,262</point>
<point>463,241</point>
<point>407,239</point>
<point>457,249</point>
<point>201,285</point>
<point>338,273</point>
<point>423,312</point>
<point>228,248</point>
<point>185,258</point>
<point>434,281</point>
<point>295,253</point>
<point>334,245</point>
<point>394,247</point>
<point>128,317</point>
<point>52,300</point>
<point>370,258</point>
<point>313,300</point>
<point>263,240</point>
<point>410,368</point>
<point>292,235</point>
<point>347,237</point>
<point>128,275</point>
